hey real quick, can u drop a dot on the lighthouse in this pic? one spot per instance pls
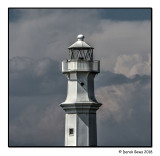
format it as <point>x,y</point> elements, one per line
<point>80,105</point>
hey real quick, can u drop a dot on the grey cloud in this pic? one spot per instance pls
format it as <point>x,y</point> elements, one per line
<point>36,121</point>
<point>108,78</point>
<point>37,87</point>
<point>130,65</point>
<point>125,116</point>
<point>120,38</point>
<point>30,77</point>
<point>49,34</point>
<point>41,33</point>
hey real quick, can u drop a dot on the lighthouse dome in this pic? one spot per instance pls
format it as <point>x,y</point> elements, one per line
<point>80,44</point>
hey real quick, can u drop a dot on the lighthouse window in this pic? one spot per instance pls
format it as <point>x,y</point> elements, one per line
<point>82,84</point>
<point>71,131</point>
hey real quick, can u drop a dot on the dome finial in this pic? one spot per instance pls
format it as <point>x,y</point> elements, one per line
<point>80,37</point>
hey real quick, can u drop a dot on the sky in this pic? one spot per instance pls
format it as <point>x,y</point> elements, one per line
<point>38,42</point>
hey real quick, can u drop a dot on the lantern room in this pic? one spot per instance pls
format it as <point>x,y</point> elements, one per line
<point>80,50</point>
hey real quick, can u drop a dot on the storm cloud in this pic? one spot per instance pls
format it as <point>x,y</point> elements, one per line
<point>31,77</point>
<point>38,41</point>
<point>125,113</point>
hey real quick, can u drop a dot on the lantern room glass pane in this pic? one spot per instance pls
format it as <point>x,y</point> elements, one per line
<point>81,54</point>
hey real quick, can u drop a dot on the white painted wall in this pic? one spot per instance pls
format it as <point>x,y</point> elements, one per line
<point>80,104</point>
<point>71,119</point>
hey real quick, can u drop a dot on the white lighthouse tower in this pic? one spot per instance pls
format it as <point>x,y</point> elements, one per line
<point>80,105</point>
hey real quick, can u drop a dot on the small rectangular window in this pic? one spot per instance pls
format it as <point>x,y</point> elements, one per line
<point>71,131</point>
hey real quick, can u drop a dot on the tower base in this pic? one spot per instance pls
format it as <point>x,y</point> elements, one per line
<point>80,124</point>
